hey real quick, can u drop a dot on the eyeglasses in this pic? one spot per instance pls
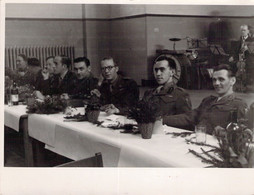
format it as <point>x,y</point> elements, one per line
<point>109,68</point>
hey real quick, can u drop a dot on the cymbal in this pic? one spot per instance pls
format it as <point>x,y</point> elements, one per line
<point>175,39</point>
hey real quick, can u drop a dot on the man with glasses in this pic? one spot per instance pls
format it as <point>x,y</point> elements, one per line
<point>117,93</point>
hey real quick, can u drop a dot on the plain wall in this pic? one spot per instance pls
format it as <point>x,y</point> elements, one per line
<point>128,46</point>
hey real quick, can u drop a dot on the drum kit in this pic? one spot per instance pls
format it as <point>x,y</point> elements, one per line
<point>183,59</point>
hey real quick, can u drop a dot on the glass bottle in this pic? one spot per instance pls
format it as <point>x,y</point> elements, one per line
<point>14,94</point>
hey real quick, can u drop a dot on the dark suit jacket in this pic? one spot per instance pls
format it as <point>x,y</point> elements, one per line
<point>66,85</point>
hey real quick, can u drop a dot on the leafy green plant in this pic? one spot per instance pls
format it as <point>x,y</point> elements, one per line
<point>145,111</point>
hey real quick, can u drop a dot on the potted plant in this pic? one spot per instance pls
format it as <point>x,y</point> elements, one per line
<point>145,113</point>
<point>93,109</point>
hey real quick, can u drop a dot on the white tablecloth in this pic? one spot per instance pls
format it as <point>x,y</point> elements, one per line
<point>12,115</point>
<point>78,140</point>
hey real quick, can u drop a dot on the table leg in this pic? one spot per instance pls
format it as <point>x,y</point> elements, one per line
<point>29,158</point>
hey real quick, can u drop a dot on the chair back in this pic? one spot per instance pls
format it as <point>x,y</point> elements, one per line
<point>95,161</point>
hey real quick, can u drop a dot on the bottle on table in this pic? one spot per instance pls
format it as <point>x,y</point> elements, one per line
<point>14,94</point>
<point>233,122</point>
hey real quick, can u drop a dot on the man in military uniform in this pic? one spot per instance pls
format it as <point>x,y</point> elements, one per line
<point>85,81</point>
<point>117,93</point>
<point>171,99</point>
<point>214,111</point>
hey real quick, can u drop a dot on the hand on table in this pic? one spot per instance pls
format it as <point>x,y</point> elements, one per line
<point>39,95</point>
<point>219,131</point>
<point>64,96</point>
<point>96,92</point>
<point>110,109</point>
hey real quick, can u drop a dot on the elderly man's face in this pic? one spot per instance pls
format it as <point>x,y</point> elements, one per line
<point>108,69</point>
<point>58,65</point>
<point>81,70</point>
<point>21,63</point>
<point>162,72</point>
<point>50,65</point>
<point>244,31</point>
<point>222,82</point>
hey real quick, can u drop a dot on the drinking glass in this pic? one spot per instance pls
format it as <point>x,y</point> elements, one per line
<point>200,131</point>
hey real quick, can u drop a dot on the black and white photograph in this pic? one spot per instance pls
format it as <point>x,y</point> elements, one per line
<point>127,97</point>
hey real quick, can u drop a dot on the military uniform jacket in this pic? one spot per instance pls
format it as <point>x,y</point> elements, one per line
<point>210,112</point>
<point>123,93</point>
<point>172,100</point>
<point>83,87</point>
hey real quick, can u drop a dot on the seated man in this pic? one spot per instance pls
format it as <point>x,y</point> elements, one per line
<point>117,93</point>
<point>85,81</point>
<point>214,111</point>
<point>45,78</point>
<point>171,99</point>
<point>65,78</point>
<point>22,75</point>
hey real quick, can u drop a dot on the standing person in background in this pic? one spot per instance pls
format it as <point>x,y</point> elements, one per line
<point>117,93</point>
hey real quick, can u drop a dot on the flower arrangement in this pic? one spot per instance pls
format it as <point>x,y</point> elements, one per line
<point>50,105</point>
<point>145,111</point>
<point>233,151</point>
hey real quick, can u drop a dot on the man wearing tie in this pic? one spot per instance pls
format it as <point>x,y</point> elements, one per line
<point>65,77</point>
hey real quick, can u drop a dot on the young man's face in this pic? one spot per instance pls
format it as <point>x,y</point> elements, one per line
<point>21,63</point>
<point>222,83</point>
<point>81,70</point>
<point>162,72</point>
<point>50,65</point>
<point>108,69</point>
<point>58,69</point>
<point>244,31</point>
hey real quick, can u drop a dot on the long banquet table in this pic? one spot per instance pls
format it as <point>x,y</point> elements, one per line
<point>79,140</point>
<point>16,118</point>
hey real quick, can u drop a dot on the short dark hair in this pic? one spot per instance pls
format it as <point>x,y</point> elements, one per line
<point>50,57</point>
<point>66,60</point>
<point>109,58</point>
<point>82,59</point>
<point>231,70</point>
<point>23,56</point>
<point>34,62</point>
<point>171,62</point>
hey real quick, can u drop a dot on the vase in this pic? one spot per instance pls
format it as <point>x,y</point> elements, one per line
<point>158,127</point>
<point>92,115</point>
<point>146,130</point>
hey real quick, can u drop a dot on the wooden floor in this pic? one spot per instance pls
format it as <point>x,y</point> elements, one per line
<point>14,152</point>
